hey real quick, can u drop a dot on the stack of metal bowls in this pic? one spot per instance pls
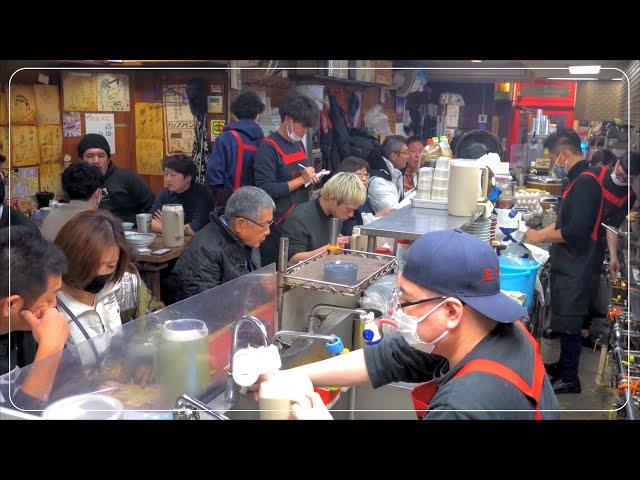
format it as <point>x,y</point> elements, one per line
<point>482,228</point>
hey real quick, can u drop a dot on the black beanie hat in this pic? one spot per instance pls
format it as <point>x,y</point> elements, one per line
<point>93,140</point>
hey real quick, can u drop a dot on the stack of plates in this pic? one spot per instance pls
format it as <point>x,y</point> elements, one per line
<point>481,229</point>
<point>139,240</point>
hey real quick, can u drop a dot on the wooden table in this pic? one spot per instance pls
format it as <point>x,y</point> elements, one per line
<point>150,266</point>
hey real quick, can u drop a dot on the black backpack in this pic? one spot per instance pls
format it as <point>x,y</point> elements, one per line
<point>367,147</point>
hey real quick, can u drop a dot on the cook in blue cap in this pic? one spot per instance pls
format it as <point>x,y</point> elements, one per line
<point>457,334</point>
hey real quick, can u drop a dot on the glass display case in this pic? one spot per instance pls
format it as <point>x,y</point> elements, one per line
<point>143,368</point>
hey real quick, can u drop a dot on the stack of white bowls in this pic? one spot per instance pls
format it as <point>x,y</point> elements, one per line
<point>440,187</point>
<point>425,179</point>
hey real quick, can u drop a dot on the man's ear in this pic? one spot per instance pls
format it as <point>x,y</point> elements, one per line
<point>13,305</point>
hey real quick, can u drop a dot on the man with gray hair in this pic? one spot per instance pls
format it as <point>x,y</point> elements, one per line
<point>227,246</point>
<point>385,186</point>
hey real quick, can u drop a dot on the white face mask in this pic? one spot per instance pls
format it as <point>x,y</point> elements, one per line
<point>617,181</point>
<point>408,327</point>
<point>292,134</point>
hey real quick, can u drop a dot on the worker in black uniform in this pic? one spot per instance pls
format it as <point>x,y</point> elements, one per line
<point>619,197</point>
<point>281,167</point>
<point>576,257</point>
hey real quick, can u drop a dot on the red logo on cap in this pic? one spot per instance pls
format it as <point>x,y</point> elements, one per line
<point>487,275</point>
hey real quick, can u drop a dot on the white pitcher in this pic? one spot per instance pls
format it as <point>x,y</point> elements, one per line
<point>172,225</point>
<point>468,185</point>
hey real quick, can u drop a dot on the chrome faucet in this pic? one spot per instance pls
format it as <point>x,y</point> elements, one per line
<point>188,408</point>
<point>230,383</point>
<point>290,333</point>
<point>313,316</point>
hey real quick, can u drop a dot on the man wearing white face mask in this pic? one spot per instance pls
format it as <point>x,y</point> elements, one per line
<point>576,254</point>
<point>281,167</point>
<point>458,333</point>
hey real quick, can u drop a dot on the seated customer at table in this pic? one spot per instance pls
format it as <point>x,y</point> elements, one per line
<point>181,187</point>
<point>308,225</point>
<point>364,214</point>
<point>124,193</point>
<point>38,330</point>
<point>95,271</point>
<point>227,247</point>
<point>83,185</point>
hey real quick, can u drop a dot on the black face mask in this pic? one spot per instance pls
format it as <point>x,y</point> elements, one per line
<point>97,283</point>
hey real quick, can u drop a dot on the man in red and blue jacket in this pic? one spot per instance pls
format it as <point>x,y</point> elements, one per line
<point>230,164</point>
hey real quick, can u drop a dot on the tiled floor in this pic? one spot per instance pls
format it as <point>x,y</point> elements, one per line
<point>593,396</point>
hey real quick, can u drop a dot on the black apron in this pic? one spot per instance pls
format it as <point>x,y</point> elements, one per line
<point>285,205</point>
<point>573,276</point>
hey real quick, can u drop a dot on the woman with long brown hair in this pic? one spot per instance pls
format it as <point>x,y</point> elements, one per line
<point>97,254</point>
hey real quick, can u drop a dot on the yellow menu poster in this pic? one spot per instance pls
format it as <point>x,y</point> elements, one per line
<point>149,120</point>
<point>149,156</point>
<point>23,105</point>
<point>51,178</point>
<point>79,92</point>
<point>4,115</point>
<point>4,142</point>
<point>47,104</point>
<point>24,146</point>
<point>50,137</point>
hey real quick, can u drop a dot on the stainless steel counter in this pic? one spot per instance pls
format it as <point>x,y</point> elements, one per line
<point>410,223</point>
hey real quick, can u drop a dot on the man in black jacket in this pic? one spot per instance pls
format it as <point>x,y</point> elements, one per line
<point>124,192</point>
<point>227,247</point>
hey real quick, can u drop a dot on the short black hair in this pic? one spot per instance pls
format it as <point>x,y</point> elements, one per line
<point>564,138</point>
<point>604,157</point>
<point>33,261</point>
<point>2,190</point>
<point>352,164</point>
<point>81,180</point>
<point>301,108</point>
<point>2,159</point>
<point>634,160</point>
<point>181,164</point>
<point>415,138</point>
<point>247,106</point>
<point>391,144</point>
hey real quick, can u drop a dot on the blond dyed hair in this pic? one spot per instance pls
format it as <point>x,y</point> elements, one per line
<point>345,188</point>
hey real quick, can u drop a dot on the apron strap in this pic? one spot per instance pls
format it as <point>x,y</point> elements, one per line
<point>290,158</point>
<point>240,159</point>
<point>75,320</point>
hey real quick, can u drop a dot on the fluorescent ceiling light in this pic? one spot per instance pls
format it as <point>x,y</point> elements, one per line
<point>572,78</point>
<point>617,79</point>
<point>476,61</point>
<point>584,69</point>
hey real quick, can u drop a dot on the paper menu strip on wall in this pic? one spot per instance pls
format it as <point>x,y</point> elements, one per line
<point>4,142</point>
<point>47,104</point>
<point>102,124</point>
<point>23,105</point>
<point>113,92</point>
<point>51,178</point>
<point>25,149</point>
<point>4,115</point>
<point>149,120</point>
<point>149,156</point>
<point>50,138</point>
<point>79,92</point>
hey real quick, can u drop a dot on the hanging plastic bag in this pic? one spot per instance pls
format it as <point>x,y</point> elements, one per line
<point>376,121</point>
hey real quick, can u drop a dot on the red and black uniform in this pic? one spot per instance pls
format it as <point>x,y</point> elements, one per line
<point>576,263</point>
<point>277,162</point>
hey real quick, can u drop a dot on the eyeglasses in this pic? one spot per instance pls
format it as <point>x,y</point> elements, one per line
<point>263,225</point>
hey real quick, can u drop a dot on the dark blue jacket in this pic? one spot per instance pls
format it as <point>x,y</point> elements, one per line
<point>221,164</point>
<point>356,220</point>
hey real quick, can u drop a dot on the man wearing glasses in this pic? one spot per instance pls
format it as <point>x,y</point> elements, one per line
<point>457,332</point>
<point>386,184</point>
<point>227,246</point>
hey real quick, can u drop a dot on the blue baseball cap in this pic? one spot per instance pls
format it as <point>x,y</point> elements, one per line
<point>454,263</point>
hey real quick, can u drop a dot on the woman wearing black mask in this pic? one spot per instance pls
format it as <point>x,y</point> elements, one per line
<point>94,244</point>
